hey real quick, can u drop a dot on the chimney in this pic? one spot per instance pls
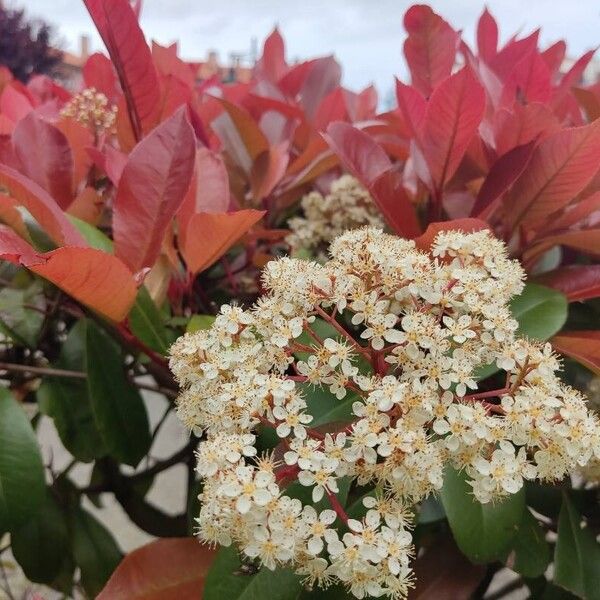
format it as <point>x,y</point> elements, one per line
<point>84,45</point>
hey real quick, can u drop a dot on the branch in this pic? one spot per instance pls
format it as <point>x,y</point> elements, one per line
<point>4,366</point>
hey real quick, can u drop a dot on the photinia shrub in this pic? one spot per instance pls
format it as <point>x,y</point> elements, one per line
<point>380,412</point>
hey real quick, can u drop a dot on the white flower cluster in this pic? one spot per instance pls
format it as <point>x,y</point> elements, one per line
<point>392,336</point>
<point>91,108</point>
<point>347,206</point>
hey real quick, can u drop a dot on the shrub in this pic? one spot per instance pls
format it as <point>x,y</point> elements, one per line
<point>133,210</point>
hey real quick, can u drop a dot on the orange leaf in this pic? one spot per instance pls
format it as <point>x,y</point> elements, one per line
<point>583,346</point>
<point>209,236</point>
<point>94,278</point>
<point>10,215</point>
<point>167,569</point>
<point>466,225</point>
<point>87,206</point>
<point>240,134</point>
<point>42,206</point>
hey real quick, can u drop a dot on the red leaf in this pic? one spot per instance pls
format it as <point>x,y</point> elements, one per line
<point>94,278</point>
<point>589,100</point>
<point>576,212</point>
<point>505,60</point>
<point>13,104</point>
<point>453,115</point>
<point>42,206</point>
<point>168,63</point>
<point>554,56</point>
<point>333,108</point>
<point>151,190</point>
<point>359,152</point>
<point>572,76</point>
<point>577,283</point>
<point>561,166</point>
<point>272,65</point>
<point>413,107</point>
<point>98,72</point>
<point>393,201</point>
<point>430,48</point>
<point>208,191</point>
<point>583,346</point>
<point>523,124</point>
<point>240,135</point>
<point>467,225</point>
<point>487,36</point>
<point>584,240</point>
<point>268,170</point>
<point>323,77</point>
<point>209,236</point>
<point>529,81</point>
<point>131,57</point>
<point>291,83</point>
<point>45,156</point>
<point>365,106</point>
<point>166,569</point>
<point>79,138</point>
<point>367,161</point>
<point>502,175</point>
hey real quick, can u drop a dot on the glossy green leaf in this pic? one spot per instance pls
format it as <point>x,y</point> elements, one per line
<point>483,532</point>
<point>540,311</point>
<point>22,486</point>
<point>576,555</point>
<point>92,235</point>
<point>22,313</point>
<point>532,551</point>
<point>228,580</point>
<point>95,551</point>
<point>118,407</point>
<point>42,542</point>
<point>67,401</point>
<point>147,323</point>
<point>198,322</point>
<point>324,406</point>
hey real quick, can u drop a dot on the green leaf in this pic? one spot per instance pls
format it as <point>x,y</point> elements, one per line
<point>532,551</point>
<point>41,544</point>
<point>540,311</point>
<point>227,579</point>
<point>17,320</point>
<point>95,551</point>
<point>22,486</point>
<point>92,235</point>
<point>576,555</point>
<point>324,406</point>
<point>147,322</point>
<point>198,322</point>
<point>483,532</point>
<point>118,408</point>
<point>67,401</point>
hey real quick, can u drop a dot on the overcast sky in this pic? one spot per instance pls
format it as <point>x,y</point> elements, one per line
<point>365,35</point>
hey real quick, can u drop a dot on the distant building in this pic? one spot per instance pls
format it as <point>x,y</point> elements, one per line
<point>234,72</point>
<point>238,69</point>
<point>68,72</point>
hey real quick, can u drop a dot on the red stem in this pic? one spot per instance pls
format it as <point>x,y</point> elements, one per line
<point>335,504</point>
